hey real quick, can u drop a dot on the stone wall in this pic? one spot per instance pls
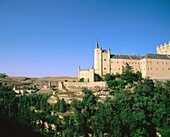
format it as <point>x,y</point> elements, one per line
<point>81,85</point>
<point>86,84</point>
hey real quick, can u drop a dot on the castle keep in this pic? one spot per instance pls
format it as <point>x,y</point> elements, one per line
<point>155,66</point>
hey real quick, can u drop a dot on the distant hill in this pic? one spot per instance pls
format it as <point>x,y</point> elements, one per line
<point>59,78</point>
<point>40,81</point>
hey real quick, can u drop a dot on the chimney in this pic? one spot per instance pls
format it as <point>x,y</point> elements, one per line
<point>169,43</point>
<point>119,54</point>
<point>161,45</point>
<point>139,54</point>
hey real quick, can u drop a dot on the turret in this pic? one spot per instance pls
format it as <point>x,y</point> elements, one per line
<point>91,74</point>
<point>97,46</point>
<point>109,65</point>
<point>101,47</point>
<point>79,73</point>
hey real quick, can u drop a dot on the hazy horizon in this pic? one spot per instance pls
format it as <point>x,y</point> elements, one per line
<point>53,38</point>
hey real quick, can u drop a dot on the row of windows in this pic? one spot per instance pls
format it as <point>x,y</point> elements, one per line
<point>159,69</point>
<point>138,63</point>
<point>143,69</point>
<point>157,62</point>
<point>127,62</point>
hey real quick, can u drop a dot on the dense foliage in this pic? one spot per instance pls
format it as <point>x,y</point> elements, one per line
<point>3,75</point>
<point>142,112</point>
<point>120,81</point>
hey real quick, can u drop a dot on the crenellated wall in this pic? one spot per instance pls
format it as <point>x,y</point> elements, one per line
<point>163,49</point>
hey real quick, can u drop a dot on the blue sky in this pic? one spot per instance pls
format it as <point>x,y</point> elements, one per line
<point>53,37</point>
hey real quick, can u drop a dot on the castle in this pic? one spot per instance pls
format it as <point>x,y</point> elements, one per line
<point>155,66</point>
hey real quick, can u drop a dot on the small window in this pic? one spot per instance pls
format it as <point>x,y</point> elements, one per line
<point>117,62</point>
<point>162,68</point>
<point>119,68</point>
<point>104,68</point>
<point>157,62</point>
<point>151,62</point>
<point>104,59</point>
<point>156,68</point>
<point>162,62</point>
<point>151,68</point>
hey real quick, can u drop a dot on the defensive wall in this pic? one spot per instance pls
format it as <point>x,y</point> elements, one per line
<point>89,85</point>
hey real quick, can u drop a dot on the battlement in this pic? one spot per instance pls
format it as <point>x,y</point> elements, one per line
<point>163,49</point>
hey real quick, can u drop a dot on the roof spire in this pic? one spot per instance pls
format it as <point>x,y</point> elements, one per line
<point>109,48</point>
<point>97,46</point>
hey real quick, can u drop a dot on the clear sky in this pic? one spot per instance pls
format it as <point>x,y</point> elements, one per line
<point>53,37</point>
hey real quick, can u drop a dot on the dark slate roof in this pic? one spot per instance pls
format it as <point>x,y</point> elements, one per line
<point>150,56</point>
<point>104,51</point>
<point>157,56</point>
<point>126,56</point>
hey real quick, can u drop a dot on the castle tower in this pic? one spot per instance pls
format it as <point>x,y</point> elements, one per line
<point>79,73</point>
<point>109,70</point>
<point>97,59</point>
<point>91,74</point>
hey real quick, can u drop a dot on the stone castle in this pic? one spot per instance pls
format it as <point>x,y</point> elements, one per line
<point>155,66</point>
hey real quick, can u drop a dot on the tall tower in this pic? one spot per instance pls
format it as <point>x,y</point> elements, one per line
<point>98,59</point>
<point>109,66</point>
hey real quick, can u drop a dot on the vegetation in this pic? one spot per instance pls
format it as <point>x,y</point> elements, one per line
<point>140,112</point>
<point>81,80</point>
<point>3,75</point>
<point>120,81</point>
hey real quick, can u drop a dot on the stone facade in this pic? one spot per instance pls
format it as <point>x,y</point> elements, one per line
<point>155,66</point>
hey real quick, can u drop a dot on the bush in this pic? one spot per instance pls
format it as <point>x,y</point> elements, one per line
<point>3,75</point>
<point>81,80</point>
<point>108,77</point>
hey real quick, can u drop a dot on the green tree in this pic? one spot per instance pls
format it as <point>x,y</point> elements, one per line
<point>3,75</point>
<point>62,106</point>
<point>81,80</point>
<point>109,77</point>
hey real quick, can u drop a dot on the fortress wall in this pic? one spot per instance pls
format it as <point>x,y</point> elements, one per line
<point>85,84</point>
